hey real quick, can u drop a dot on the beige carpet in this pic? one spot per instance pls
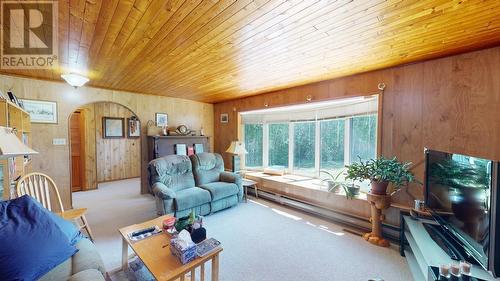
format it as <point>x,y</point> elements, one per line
<point>112,206</point>
<point>262,241</point>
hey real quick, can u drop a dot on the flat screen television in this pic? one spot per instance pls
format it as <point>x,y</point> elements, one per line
<point>461,194</point>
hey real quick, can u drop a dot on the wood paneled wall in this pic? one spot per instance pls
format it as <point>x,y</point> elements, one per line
<point>450,104</point>
<point>116,158</point>
<point>54,159</point>
<point>108,159</point>
<point>88,113</point>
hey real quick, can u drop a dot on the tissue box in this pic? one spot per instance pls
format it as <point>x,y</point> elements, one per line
<point>186,255</point>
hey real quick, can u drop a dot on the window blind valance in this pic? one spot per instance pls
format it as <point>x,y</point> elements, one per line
<point>314,111</point>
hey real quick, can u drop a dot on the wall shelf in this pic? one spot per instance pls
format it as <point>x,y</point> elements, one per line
<point>13,116</point>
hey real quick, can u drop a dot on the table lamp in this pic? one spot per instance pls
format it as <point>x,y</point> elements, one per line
<point>11,145</point>
<point>236,149</point>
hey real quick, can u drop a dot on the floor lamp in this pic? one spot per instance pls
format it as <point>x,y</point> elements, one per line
<point>236,149</point>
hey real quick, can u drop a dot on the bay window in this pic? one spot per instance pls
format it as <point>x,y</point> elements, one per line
<point>309,138</point>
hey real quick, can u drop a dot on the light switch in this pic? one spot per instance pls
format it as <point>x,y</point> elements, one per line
<point>59,141</point>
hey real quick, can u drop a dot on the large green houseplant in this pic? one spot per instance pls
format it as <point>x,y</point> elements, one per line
<point>381,172</point>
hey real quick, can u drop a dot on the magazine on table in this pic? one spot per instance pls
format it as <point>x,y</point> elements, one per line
<point>207,246</point>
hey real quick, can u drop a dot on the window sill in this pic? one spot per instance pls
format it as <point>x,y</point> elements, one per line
<point>301,181</point>
<point>311,191</point>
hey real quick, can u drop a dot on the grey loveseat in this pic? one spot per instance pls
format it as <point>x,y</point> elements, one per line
<point>181,184</point>
<point>85,265</point>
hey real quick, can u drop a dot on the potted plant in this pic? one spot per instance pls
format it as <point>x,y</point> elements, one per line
<point>335,184</point>
<point>381,172</point>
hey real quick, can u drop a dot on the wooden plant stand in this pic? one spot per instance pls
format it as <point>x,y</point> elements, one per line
<point>378,203</point>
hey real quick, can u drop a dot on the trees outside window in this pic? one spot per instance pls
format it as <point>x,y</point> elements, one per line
<point>313,145</point>
<point>332,144</point>
<point>363,137</point>
<point>304,147</point>
<point>278,145</point>
<point>253,144</point>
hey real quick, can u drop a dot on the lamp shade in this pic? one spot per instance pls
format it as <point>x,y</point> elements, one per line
<point>11,146</point>
<point>237,147</point>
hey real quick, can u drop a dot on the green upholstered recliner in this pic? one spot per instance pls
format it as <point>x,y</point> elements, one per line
<point>172,182</point>
<point>225,188</point>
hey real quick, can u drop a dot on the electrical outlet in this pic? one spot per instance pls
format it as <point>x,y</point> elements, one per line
<point>59,141</point>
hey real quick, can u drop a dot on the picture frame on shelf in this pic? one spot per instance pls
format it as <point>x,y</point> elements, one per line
<point>41,111</point>
<point>113,127</point>
<point>133,128</point>
<point>224,118</point>
<point>161,119</point>
<point>181,149</point>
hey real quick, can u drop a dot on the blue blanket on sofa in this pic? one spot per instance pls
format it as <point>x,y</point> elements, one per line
<point>31,242</point>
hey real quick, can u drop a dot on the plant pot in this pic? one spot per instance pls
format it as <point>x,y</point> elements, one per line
<point>333,186</point>
<point>353,190</point>
<point>379,187</point>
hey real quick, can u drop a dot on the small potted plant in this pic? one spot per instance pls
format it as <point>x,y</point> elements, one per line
<point>334,184</point>
<point>381,172</point>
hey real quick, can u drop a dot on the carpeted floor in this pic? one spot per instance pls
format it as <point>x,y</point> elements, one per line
<point>113,206</point>
<point>262,240</point>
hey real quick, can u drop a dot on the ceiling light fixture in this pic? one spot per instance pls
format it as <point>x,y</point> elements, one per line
<point>75,80</point>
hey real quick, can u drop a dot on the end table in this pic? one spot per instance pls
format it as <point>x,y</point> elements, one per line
<point>249,183</point>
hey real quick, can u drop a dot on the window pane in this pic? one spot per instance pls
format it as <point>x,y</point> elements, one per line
<point>332,145</point>
<point>253,144</point>
<point>363,137</point>
<point>278,146</point>
<point>303,152</point>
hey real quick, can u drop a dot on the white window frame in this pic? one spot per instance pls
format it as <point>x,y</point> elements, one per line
<point>317,144</point>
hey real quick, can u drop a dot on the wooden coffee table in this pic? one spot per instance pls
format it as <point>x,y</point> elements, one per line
<point>155,254</point>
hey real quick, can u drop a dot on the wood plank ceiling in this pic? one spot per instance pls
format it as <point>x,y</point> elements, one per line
<point>211,50</point>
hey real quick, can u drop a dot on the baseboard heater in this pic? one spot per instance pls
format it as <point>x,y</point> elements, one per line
<point>355,224</point>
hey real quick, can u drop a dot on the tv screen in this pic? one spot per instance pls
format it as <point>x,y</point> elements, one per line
<point>458,191</point>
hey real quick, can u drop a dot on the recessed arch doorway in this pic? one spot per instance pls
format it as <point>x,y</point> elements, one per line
<point>103,145</point>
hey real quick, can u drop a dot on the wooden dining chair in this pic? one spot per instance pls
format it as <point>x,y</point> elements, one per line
<point>41,187</point>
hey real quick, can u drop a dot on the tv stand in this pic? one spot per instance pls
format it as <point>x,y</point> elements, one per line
<point>421,251</point>
<point>436,235</point>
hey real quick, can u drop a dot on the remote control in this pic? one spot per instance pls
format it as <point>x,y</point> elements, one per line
<point>143,231</point>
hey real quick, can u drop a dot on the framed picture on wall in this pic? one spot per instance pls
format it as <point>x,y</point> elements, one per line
<point>161,119</point>
<point>133,128</point>
<point>113,127</point>
<point>224,118</point>
<point>41,111</point>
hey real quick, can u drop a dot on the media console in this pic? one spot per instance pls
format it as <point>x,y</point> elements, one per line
<point>421,251</point>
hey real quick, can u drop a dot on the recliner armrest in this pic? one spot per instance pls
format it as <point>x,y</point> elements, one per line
<point>230,177</point>
<point>162,191</point>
